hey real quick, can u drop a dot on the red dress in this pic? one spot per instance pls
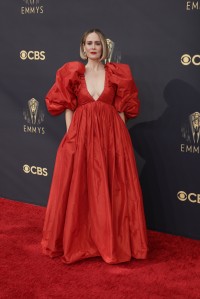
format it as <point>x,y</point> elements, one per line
<point>95,204</point>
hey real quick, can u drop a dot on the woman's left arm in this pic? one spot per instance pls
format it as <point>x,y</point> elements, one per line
<point>121,114</point>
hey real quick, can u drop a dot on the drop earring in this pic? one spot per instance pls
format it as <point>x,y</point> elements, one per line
<point>85,54</point>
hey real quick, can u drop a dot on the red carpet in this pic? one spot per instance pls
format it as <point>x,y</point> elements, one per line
<point>171,271</point>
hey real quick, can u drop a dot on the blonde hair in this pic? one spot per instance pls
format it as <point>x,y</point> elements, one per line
<point>105,50</point>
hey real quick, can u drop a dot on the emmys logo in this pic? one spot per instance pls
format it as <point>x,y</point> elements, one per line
<point>114,55</point>
<point>34,116</point>
<point>32,7</point>
<point>192,5</point>
<point>191,133</point>
<point>186,59</point>
<point>32,55</point>
<point>36,170</point>
<point>32,2</point>
<point>191,197</point>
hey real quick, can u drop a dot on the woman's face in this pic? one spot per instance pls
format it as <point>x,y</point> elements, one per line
<point>93,46</point>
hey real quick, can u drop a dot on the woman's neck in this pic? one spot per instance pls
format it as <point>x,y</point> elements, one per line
<point>94,65</point>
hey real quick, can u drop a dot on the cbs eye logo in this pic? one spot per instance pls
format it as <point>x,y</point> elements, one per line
<point>191,197</point>
<point>186,59</point>
<point>36,170</point>
<point>32,55</point>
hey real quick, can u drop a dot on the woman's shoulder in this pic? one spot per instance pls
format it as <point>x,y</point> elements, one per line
<point>121,70</point>
<point>117,64</point>
<point>72,67</point>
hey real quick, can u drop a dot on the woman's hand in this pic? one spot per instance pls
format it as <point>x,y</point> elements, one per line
<point>121,114</point>
<point>68,118</point>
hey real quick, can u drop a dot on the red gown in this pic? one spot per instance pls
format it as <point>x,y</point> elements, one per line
<point>95,204</point>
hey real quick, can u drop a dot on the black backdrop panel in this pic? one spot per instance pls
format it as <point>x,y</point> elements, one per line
<point>159,40</point>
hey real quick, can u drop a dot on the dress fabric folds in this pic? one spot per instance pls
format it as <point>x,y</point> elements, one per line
<point>95,203</point>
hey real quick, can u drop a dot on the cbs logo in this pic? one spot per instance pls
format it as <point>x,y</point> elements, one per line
<point>186,59</point>
<point>32,55</point>
<point>35,170</point>
<point>192,197</point>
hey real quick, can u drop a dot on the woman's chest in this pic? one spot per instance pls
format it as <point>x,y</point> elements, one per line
<point>84,95</point>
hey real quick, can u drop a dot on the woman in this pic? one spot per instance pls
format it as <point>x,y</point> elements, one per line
<point>95,204</point>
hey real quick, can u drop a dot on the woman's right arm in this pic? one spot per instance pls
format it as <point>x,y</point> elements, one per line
<point>68,117</point>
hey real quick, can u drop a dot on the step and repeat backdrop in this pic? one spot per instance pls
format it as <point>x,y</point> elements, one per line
<point>160,41</point>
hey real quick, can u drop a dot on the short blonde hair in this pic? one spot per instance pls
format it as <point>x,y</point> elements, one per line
<point>105,50</point>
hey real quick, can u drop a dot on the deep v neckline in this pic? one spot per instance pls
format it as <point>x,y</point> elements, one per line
<point>105,78</point>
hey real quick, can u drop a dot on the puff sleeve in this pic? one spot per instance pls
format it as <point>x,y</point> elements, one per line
<point>126,98</point>
<point>61,96</point>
